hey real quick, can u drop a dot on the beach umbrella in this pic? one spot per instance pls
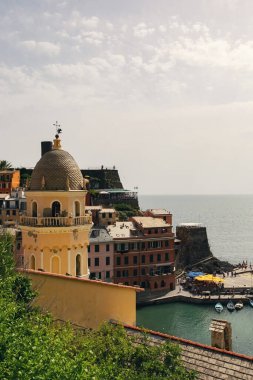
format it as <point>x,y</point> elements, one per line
<point>209,278</point>
<point>194,274</point>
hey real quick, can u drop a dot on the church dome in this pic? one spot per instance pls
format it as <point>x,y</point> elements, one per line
<point>56,170</point>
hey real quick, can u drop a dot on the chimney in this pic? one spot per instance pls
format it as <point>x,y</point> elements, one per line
<point>221,334</point>
<point>46,146</point>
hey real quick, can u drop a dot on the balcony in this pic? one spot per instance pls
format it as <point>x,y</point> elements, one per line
<point>59,221</point>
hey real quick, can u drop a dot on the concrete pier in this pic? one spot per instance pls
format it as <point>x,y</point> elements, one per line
<point>236,288</point>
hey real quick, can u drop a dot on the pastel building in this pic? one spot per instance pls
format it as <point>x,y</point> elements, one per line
<point>9,180</point>
<point>144,253</point>
<point>55,228</point>
<point>100,257</point>
<point>11,207</point>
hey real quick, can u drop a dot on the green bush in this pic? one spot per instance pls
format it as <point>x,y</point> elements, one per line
<point>34,347</point>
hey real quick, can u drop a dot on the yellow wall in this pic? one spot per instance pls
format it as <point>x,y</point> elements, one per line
<point>55,248</point>
<point>85,303</point>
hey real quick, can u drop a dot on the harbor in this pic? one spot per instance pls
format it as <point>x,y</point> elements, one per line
<point>237,287</point>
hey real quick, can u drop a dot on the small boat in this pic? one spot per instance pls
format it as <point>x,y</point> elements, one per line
<point>218,307</point>
<point>238,305</point>
<point>230,306</point>
<point>251,303</point>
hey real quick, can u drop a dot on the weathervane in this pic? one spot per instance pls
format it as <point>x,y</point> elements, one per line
<point>58,129</point>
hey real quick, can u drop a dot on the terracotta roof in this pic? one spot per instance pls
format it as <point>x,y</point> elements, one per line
<point>60,172</point>
<point>209,362</point>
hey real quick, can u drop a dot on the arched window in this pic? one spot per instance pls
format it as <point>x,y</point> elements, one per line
<point>34,210</point>
<point>56,208</point>
<point>32,262</point>
<point>162,284</point>
<point>78,265</point>
<point>155,286</point>
<point>55,264</point>
<point>77,208</point>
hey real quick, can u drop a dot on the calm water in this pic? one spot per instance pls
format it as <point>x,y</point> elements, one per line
<point>229,222</point>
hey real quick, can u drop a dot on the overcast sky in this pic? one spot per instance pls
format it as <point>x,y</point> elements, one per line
<point>163,89</point>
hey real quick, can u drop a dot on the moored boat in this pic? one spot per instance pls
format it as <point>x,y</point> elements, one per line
<point>251,303</point>
<point>230,306</point>
<point>238,305</point>
<point>218,307</point>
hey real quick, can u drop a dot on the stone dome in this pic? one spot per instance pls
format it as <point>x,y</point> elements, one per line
<point>56,170</point>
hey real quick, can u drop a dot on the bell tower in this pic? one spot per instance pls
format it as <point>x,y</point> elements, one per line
<point>55,228</point>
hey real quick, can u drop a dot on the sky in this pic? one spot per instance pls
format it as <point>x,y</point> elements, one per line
<point>161,89</point>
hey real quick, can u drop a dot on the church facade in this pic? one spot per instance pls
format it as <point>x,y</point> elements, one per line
<point>55,228</point>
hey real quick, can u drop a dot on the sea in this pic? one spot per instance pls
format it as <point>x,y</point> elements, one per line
<point>229,223</point>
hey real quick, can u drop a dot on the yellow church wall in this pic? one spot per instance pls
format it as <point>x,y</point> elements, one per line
<point>85,303</point>
<point>45,199</point>
<point>59,243</point>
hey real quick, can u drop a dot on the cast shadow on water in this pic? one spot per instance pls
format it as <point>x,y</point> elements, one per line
<point>192,322</point>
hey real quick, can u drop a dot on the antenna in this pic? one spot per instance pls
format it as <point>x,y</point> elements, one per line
<point>58,129</point>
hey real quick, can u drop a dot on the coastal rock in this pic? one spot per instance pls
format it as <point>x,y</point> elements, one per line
<point>193,250</point>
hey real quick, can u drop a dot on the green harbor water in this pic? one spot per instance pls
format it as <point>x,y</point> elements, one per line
<point>192,322</point>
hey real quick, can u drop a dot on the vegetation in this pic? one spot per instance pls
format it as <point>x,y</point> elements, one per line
<point>5,165</point>
<point>125,211</point>
<point>33,346</point>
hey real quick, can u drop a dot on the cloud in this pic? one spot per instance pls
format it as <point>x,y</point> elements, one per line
<point>141,30</point>
<point>43,47</point>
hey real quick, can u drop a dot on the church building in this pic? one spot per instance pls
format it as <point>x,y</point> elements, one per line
<point>55,228</point>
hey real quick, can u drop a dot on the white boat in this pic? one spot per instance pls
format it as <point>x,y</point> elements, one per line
<point>238,305</point>
<point>230,306</point>
<point>218,307</point>
<point>251,303</point>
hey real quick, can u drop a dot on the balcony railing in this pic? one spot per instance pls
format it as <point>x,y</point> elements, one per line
<point>59,221</point>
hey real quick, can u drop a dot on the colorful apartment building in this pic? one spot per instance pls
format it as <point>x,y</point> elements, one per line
<point>9,180</point>
<point>144,253</point>
<point>102,216</point>
<point>11,207</point>
<point>100,254</point>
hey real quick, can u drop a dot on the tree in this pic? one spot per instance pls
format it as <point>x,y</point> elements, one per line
<point>5,165</point>
<point>33,346</point>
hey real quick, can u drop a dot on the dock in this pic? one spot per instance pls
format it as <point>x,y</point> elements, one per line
<point>237,288</point>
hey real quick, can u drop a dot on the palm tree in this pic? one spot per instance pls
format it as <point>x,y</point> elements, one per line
<point>5,165</point>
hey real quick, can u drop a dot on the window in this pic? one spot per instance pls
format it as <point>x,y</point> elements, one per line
<point>167,243</point>
<point>88,248</point>
<point>118,261</point>
<point>142,245</point>
<point>125,273</point>
<point>96,261</point>
<point>156,231</point>
<point>126,260</point>
<point>143,259</point>
<point>149,232</point>
<point>118,273</point>
<point>13,212</point>
<point>96,247</point>
<point>107,247</point>
<point>88,262</point>
<point>135,272</point>
<point>99,275</point>
<point>167,256</point>
<point>107,274</point>
<point>143,271</point>
<point>158,257</point>
<point>151,258</point>
<point>135,260</point>
<point>103,215</point>
<point>107,260</point>
<point>110,215</point>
